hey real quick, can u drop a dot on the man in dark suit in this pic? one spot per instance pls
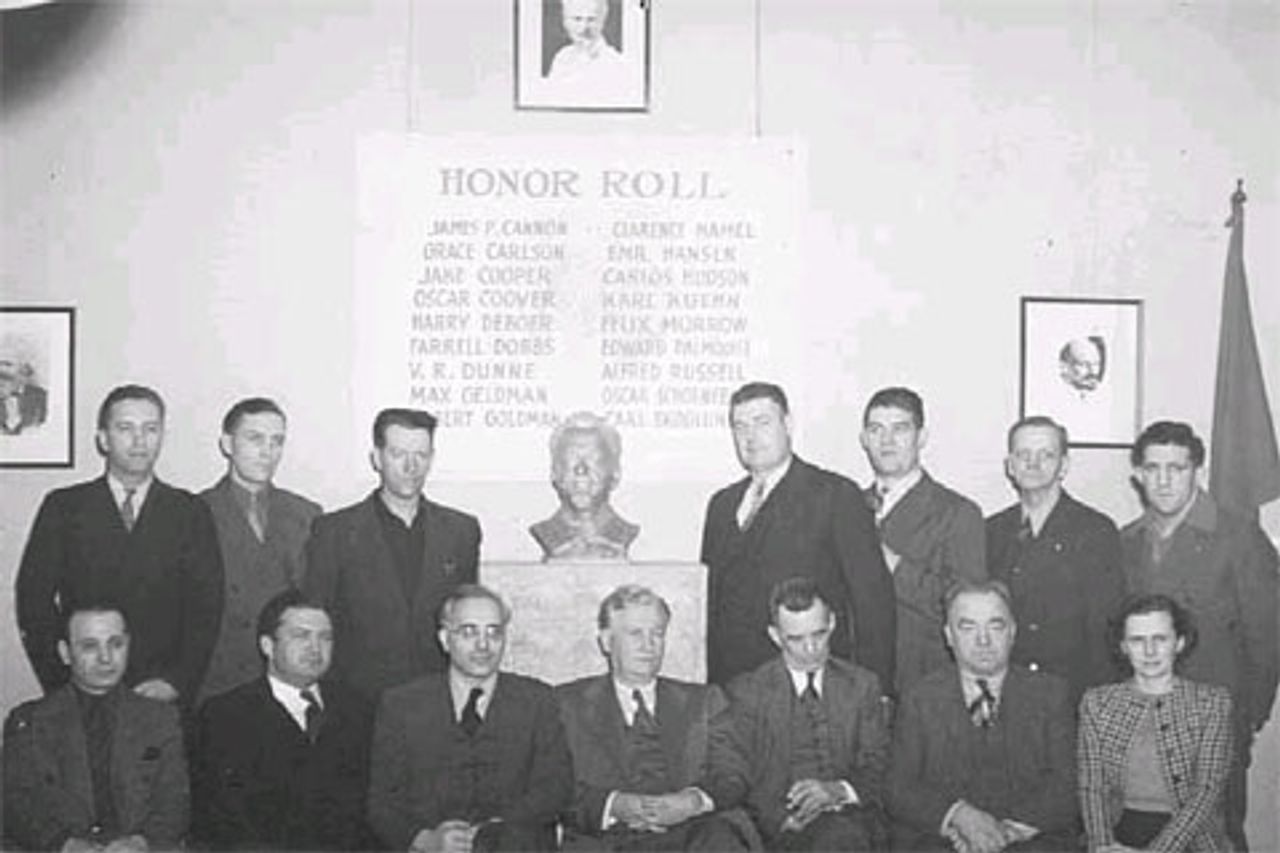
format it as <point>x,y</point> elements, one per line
<point>789,518</point>
<point>382,566</point>
<point>282,761</point>
<point>984,752</point>
<point>262,529</point>
<point>812,732</point>
<point>93,765</point>
<point>1059,558</point>
<point>131,538</point>
<point>931,536</point>
<point>470,759</point>
<point>653,757</point>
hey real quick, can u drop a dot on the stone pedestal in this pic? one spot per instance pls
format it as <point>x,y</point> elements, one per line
<point>553,630</point>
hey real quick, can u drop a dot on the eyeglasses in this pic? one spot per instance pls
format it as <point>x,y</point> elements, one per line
<point>470,631</point>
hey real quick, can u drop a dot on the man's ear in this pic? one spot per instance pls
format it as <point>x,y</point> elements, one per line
<point>64,652</point>
<point>775,635</point>
<point>267,646</point>
<point>602,641</point>
<point>375,461</point>
<point>100,441</point>
<point>224,444</point>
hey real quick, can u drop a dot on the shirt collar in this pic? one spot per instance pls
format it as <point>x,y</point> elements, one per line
<point>1202,514</point>
<point>773,476</point>
<point>1040,513</point>
<point>628,704</point>
<point>291,698</point>
<point>890,495</point>
<point>118,490</point>
<point>969,685</point>
<point>242,496</point>
<point>800,680</point>
<point>460,690</point>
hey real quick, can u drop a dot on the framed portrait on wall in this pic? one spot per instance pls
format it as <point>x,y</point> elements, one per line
<point>582,55</point>
<point>37,375</point>
<point>1082,366</point>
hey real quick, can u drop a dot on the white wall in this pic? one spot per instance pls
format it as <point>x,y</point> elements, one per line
<point>183,174</point>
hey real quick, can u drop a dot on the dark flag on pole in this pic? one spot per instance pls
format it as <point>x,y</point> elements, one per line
<point>1244,465</point>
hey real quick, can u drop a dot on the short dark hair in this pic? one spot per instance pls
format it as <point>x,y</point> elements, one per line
<point>994,587</point>
<point>90,605</point>
<point>796,594</point>
<point>249,406</point>
<point>897,397</point>
<point>1184,624</point>
<point>120,393</point>
<point>1177,433</point>
<point>272,613</point>
<point>1038,421</point>
<point>466,592</point>
<point>629,595</point>
<point>760,391</point>
<point>407,418</point>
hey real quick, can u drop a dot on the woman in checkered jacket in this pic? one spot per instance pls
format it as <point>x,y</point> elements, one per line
<point>1154,751</point>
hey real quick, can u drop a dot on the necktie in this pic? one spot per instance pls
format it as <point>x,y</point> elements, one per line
<point>875,500</point>
<point>255,516</point>
<point>315,714</point>
<point>1025,533</point>
<point>810,693</point>
<point>128,514</point>
<point>644,719</point>
<point>98,735</point>
<point>757,501</point>
<point>471,713</point>
<point>983,709</point>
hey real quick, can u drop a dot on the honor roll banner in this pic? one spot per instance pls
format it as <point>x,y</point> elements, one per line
<point>503,284</point>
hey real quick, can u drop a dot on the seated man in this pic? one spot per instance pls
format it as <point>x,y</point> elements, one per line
<point>652,756</point>
<point>282,761</point>
<point>984,753</point>
<point>813,732</point>
<point>93,765</point>
<point>471,758</point>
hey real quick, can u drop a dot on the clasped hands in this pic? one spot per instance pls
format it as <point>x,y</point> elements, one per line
<point>971,830</point>
<point>808,798</point>
<point>451,836</point>
<point>656,812</point>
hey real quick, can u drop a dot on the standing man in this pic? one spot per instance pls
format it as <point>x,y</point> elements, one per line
<point>131,538</point>
<point>984,753</point>
<point>1220,567</point>
<point>930,535</point>
<point>813,733</point>
<point>92,765</point>
<point>470,759</point>
<point>653,757</point>
<point>261,530</point>
<point>786,518</point>
<point>382,566</point>
<point>283,760</point>
<point>1059,558</point>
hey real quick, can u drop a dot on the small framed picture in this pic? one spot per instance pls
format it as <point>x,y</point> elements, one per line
<point>1082,366</point>
<point>582,55</point>
<point>37,385</point>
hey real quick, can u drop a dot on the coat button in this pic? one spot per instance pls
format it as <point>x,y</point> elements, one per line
<point>1033,666</point>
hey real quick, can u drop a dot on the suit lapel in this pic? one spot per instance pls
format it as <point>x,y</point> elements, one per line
<point>909,513</point>
<point>75,749</point>
<point>673,729</point>
<point>604,718</point>
<point>381,564</point>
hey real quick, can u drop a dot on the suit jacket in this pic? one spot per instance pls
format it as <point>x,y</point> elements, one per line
<point>48,789</point>
<point>1223,569</point>
<point>696,733</point>
<point>814,523</point>
<point>762,703</point>
<point>260,783</point>
<point>166,573</point>
<point>1193,739</point>
<point>935,752</point>
<point>1065,586</point>
<point>254,572</point>
<point>939,536</point>
<point>409,788</point>
<point>382,639</point>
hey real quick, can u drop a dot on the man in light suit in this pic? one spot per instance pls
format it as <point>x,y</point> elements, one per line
<point>790,518</point>
<point>470,759</point>
<point>382,567</point>
<point>93,765</point>
<point>131,538</point>
<point>261,530</point>
<point>282,761</point>
<point>813,733</point>
<point>931,536</point>
<point>653,757</point>
<point>983,752</point>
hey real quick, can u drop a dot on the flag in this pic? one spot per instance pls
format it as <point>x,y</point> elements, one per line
<point>1244,469</point>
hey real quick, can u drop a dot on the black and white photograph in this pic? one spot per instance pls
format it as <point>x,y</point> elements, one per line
<point>588,55</point>
<point>36,387</point>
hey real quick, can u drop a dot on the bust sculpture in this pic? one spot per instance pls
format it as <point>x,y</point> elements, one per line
<point>586,453</point>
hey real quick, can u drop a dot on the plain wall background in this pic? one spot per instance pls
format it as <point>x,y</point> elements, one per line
<point>183,174</point>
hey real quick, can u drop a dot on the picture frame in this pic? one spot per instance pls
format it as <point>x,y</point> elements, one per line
<point>1081,364</point>
<point>37,387</point>
<point>569,59</point>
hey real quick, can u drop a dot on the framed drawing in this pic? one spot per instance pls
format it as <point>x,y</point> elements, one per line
<point>1082,366</point>
<point>582,55</point>
<point>37,384</point>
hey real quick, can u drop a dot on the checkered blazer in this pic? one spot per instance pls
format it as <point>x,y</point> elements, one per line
<point>1193,736</point>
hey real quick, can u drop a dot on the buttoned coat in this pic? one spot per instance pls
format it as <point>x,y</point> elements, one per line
<point>1223,569</point>
<point>381,638</point>
<point>48,788</point>
<point>816,524</point>
<point>939,537</point>
<point>1193,742</point>
<point>254,571</point>
<point>166,573</point>
<point>1066,584</point>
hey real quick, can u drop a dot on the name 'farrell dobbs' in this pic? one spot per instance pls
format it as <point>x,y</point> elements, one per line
<point>569,183</point>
